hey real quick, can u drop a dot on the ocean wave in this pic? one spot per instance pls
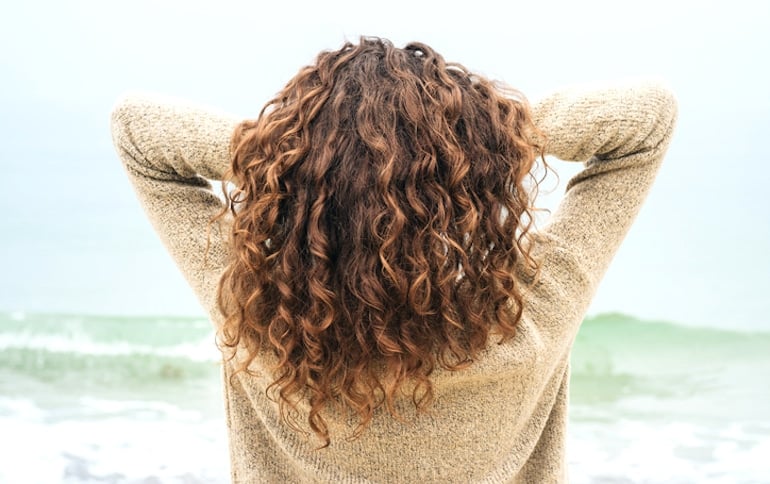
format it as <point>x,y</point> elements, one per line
<point>193,337</point>
<point>201,350</point>
<point>608,320</point>
<point>636,365</point>
<point>94,334</point>
<point>626,334</point>
<point>97,386</point>
<point>620,349</point>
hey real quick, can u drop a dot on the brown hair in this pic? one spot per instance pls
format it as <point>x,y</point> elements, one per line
<point>379,213</point>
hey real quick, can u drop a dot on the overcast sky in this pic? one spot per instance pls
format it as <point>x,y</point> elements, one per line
<point>698,253</point>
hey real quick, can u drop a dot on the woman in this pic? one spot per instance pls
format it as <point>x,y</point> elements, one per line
<point>385,310</point>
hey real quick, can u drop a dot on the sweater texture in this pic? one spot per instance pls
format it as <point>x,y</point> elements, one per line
<point>503,419</point>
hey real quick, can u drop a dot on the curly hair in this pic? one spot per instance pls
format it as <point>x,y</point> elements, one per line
<point>380,208</point>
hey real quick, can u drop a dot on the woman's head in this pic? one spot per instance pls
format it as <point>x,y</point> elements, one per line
<point>379,212</point>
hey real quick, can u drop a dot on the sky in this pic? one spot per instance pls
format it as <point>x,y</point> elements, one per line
<point>75,239</point>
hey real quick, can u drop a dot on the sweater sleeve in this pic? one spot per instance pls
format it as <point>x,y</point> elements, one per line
<point>170,150</point>
<point>621,133</point>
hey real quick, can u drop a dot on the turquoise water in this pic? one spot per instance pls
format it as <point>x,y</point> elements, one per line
<point>138,399</point>
<point>658,402</point>
<point>110,399</point>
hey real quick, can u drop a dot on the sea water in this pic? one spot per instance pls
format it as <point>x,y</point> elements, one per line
<point>138,399</point>
<point>110,399</point>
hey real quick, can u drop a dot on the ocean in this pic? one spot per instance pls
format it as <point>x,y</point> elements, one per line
<point>128,399</point>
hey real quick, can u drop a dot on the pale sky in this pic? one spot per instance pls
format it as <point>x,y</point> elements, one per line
<point>698,253</point>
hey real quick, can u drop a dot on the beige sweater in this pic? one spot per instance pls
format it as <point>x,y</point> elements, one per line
<point>501,420</point>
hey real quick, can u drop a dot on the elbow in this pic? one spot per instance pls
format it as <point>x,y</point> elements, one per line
<point>668,105</point>
<point>657,112</point>
<point>664,111</point>
<point>126,117</point>
<point>126,128</point>
<point>119,120</point>
<point>120,129</point>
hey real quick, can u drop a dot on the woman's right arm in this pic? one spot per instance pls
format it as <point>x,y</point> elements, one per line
<point>622,133</point>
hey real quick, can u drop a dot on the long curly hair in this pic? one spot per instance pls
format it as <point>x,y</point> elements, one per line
<point>380,206</point>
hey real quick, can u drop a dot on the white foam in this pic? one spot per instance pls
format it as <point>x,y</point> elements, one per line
<point>201,350</point>
<point>675,452</point>
<point>20,408</point>
<point>165,410</point>
<point>138,441</point>
<point>18,316</point>
<point>179,447</point>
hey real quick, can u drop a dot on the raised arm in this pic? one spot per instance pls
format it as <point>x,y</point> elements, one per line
<point>169,149</point>
<point>622,133</point>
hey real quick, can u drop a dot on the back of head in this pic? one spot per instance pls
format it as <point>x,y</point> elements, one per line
<point>379,212</point>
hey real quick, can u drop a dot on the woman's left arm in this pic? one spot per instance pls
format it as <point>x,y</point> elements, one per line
<point>170,149</point>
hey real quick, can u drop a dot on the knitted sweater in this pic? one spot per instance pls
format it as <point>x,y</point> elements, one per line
<point>504,418</point>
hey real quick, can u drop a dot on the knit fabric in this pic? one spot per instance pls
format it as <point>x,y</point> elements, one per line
<point>504,418</point>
